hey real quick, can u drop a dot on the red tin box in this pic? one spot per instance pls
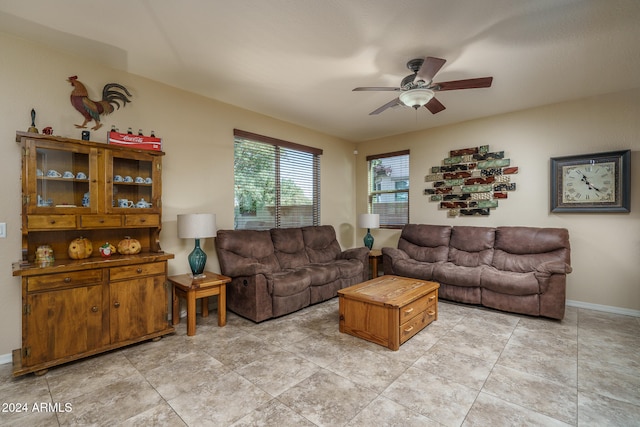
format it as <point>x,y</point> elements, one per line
<point>135,141</point>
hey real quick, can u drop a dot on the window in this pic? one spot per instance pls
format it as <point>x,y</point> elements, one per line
<point>277,183</point>
<point>389,188</point>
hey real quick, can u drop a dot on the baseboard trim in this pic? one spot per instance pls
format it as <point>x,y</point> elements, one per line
<point>5,358</point>
<point>605,308</point>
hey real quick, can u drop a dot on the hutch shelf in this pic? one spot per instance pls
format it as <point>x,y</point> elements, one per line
<point>74,308</point>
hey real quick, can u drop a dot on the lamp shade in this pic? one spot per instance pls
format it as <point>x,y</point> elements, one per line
<point>416,98</point>
<point>196,226</point>
<point>368,220</point>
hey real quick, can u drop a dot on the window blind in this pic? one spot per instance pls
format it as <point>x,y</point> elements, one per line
<point>277,183</point>
<point>389,188</point>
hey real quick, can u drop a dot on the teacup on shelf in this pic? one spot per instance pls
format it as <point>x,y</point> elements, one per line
<point>68,175</point>
<point>52,173</point>
<point>117,178</point>
<point>81,175</point>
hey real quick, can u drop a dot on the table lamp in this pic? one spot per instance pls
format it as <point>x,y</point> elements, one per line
<point>368,221</point>
<point>197,226</point>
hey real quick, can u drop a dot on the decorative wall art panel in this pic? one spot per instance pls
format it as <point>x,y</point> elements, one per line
<point>470,181</point>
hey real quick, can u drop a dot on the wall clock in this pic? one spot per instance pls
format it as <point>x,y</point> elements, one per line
<point>591,182</point>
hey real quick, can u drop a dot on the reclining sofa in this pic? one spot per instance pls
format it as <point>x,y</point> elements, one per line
<point>516,269</point>
<point>276,272</point>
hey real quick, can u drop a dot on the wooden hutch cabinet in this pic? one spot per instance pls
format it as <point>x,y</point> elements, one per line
<point>77,308</point>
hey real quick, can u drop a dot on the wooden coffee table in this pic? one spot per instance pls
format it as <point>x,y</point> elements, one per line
<point>388,310</point>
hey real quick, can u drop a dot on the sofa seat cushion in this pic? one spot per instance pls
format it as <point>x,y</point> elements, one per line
<point>320,274</point>
<point>509,282</point>
<point>286,283</point>
<point>414,268</point>
<point>451,273</point>
<point>349,267</point>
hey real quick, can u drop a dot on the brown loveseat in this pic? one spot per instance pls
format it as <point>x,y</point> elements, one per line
<point>515,269</point>
<point>276,272</point>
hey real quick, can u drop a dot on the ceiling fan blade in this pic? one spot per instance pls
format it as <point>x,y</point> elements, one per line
<point>464,84</point>
<point>386,89</point>
<point>385,106</point>
<point>434,106</point>
<point>429,68</point>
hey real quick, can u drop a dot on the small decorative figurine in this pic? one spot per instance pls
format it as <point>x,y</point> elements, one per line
<point>44,255</point>
<point>112,95</point>
<point>33,128</point>
<point>107,250</point>
<point>48,130</point>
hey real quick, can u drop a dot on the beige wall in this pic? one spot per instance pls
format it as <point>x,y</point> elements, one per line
<point>605,247</point>
<point>197,169</point>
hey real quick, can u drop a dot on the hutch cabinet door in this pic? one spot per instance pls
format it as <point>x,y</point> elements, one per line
<point>59,178</point>
<point>138,307</point>
<point>133,182</point>
<point>62,323</point>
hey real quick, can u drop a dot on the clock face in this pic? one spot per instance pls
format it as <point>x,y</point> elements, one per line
<point>589,183</point>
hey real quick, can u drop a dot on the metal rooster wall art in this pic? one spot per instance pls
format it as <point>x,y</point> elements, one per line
<point>112,95</point>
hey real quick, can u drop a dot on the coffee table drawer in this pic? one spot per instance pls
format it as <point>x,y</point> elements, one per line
<point>417,323</point>
<point>411,310</point>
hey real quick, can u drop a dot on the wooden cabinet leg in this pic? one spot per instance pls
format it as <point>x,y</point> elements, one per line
<point>175,309</point>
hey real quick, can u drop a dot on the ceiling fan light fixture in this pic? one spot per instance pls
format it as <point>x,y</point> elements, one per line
<point>416,98</point>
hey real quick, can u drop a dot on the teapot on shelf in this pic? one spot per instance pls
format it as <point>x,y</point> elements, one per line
<point>143,204</point>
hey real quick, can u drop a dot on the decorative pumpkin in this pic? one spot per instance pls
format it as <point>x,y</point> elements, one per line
<point>80,248</point>
<point>129,246</point>
<point>107,250</point>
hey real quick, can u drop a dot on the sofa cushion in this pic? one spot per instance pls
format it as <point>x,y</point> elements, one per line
<point>286,283</point>
<point>412,268</point>
<point>509,282</point>
<point>471,246</point>
<point>321,274</point>
<point>289,247</point>
<point>451,273</point>
<point>349,267</point>
<point>522,249</point>
<point>320,243</point>
<point>425,243</point>
<point>245,252</point>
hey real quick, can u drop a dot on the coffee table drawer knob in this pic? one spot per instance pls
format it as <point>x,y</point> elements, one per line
<point>408,311</point>
<point>409,329</point>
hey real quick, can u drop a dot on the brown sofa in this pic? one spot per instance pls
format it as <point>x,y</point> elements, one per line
<point>276,272</point>
<point>515,269</point>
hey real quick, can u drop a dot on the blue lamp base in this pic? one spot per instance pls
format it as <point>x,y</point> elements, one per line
<point>368,239</point>
<point>197,260</point>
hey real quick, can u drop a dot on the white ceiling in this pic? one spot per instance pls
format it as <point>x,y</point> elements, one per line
<point>298,60</point>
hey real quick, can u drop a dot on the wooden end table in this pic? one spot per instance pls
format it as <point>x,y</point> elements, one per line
<point>375,257</point>
<point>185,286</point>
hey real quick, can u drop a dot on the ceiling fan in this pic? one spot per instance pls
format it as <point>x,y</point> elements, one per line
<point>418,89</point>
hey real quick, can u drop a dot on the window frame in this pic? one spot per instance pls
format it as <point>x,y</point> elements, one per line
<point>280,144</point>
<point>371,193</point>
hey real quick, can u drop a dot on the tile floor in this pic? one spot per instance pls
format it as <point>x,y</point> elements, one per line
<point>472,367</point>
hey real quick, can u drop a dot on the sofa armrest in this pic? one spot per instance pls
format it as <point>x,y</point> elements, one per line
<point>355,253</point>
<point>554,267</point>
<point>361,254</point>
<point>389,256</point>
